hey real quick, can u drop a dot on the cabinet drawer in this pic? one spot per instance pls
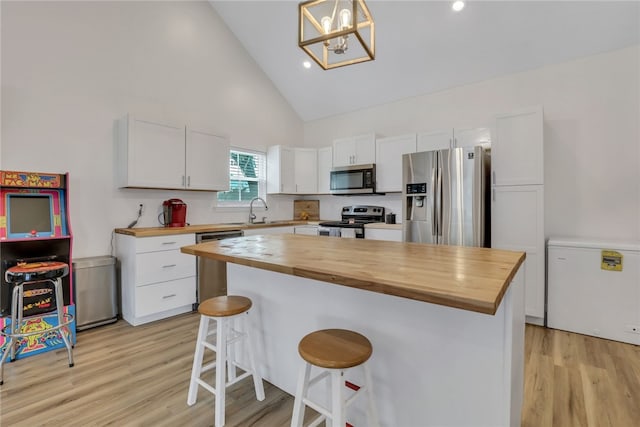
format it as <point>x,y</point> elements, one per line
<point>163,266</point>
<point>164,243</point>
<point>165,296</point>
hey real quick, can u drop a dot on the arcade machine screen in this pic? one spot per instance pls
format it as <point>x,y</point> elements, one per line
<point>28,214</point>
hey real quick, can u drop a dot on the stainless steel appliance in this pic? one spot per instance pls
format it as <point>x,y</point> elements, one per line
<point>353,221</point>
<point>357,179</point>
<point>445,196</point>
<point>94,280</point>
<point>212,274</point>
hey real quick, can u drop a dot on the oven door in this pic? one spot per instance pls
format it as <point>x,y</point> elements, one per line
<point>353,233</point>
<point>329,231</point>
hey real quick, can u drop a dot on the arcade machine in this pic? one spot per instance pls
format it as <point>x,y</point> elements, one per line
<point>34,228</point>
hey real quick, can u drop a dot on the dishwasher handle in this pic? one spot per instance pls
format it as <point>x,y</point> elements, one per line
<point>218,235</point>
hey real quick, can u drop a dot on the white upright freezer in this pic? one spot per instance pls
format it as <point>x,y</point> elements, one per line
<point>593,288</point>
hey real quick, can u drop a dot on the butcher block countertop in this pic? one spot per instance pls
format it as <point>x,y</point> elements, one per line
<point>204,228</point>
<point>474,279</point>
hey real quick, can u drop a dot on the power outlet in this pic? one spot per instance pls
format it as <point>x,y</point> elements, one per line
<point>634,329</point>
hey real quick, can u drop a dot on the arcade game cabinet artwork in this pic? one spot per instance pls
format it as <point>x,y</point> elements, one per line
<point>34,227</point>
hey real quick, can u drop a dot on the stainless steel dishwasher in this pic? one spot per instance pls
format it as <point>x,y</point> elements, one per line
<point>212,274</point>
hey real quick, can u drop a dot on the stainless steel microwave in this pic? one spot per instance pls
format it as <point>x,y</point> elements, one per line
<point>356,179</point>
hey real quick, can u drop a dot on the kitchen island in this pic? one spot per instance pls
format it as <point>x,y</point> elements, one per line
<point>446,322</point>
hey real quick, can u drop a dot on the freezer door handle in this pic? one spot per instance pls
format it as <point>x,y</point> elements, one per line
<point>437,220</point>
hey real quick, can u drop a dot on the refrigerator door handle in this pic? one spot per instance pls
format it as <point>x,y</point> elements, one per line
<point>434,200</point>
<point>438,213</point>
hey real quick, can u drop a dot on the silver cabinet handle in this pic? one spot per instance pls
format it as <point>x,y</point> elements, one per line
<point>182,180</point>
<point>189,181</point>
<point>168,266</point>
<point>168,243</point>
<point>168,296</point>
<point>493,195</point>
<point>493,175</point>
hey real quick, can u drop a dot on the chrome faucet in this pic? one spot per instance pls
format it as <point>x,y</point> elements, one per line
<point>252,216</point>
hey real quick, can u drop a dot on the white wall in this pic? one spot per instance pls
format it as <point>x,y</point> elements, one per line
<point>592,139</point>
<point>69,69</point>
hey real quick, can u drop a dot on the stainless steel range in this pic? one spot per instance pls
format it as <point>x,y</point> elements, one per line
<point>353,220</point>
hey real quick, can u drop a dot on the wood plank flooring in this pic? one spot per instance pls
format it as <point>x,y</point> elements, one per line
<point>126,376</point>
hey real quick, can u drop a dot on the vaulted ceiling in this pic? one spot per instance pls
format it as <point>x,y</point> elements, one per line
<point>424,47</point>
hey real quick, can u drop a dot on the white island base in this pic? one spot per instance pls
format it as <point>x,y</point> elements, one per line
<point>432,365</point>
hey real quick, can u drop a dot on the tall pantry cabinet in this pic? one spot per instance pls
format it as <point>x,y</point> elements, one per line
<point>517,198</point>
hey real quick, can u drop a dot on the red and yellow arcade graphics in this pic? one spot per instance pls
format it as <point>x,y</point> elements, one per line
<point>34,228</point>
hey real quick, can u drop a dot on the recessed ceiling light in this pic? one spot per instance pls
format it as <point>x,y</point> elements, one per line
<point>306,64</point>
<point>457,6</point>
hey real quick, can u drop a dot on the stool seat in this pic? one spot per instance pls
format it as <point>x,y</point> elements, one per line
<point>335,348</point>
<point>334,352</point>
<point>34,271</point>
<point>224,306</point>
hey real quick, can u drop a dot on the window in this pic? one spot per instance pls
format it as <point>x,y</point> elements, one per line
<point>246,178</point>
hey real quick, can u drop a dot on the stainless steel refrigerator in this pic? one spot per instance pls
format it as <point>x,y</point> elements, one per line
<point>445,196</point>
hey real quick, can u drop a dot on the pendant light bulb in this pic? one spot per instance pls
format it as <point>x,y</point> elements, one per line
<point>326,24</point>
<point>345,18</point>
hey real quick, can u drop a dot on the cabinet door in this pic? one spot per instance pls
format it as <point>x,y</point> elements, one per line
<point>383,234</point>
<point>280,170</point>
<point>269,230</point>
<point>471,137</point>
<point>344,151</point>
<point>324,169</point>
<point>389,153</point>
<point>436,140</point>
<point>207,161</point>
<point>365,146</point>
<point>306,170</point>
<point>155,154</point>
<point>517,223</point>
<point>517,149</point>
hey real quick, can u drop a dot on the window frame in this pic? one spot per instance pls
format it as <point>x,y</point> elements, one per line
<point>261,179</point>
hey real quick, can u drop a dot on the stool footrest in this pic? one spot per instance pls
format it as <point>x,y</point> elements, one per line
<point>317,421</point>
<point>324,411</point>
<point>206,385</point>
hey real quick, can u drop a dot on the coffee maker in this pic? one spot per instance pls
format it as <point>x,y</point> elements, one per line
<point>174,212</point>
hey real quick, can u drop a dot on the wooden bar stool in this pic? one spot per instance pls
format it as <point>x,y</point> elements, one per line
<point>20,275</point>
<point>335,351</point>
<point>225,310</point>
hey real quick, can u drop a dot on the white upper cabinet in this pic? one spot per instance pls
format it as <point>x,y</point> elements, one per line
<point>203,172</point>
<point>153,154</point>
<point>292,170</point>
<point>306,170</point>
<point>452,138</point>
<point>518,149</point>
<point>471,137</point>
<point>325,162</point>
<point>436,140</point>
<point>356,150</point>
<point>389,153</point>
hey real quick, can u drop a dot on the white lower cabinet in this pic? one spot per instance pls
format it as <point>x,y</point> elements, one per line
<point>309,230</point>
<point>517,223</point>
<point>269,230</point>
<point>157,279</point>
<point>391,235</point>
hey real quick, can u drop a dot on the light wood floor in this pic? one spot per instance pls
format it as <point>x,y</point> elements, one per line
<point>126,376</point>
